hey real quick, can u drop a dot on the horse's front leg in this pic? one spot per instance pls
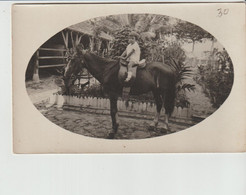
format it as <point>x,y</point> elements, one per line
<point>114,117</point>
<point>166,122</point>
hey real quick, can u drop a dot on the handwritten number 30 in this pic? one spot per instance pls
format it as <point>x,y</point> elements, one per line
<point>222,12</point>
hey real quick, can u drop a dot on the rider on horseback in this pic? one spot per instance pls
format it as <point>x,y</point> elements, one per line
<point>131,54</point>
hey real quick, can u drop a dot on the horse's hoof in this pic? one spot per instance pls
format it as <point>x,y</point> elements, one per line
<point>163,130</point>
<point>152,128</point>
<point>115,128</point>
<point>111,135</point>
<point>171,131</point>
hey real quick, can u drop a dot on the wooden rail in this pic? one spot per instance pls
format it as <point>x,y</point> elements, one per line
<point>52,65</point>
<point>50,57</point>
<point>37,65</point>
<point>51,49</point>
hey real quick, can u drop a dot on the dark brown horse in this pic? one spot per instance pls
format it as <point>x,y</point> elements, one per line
<point>156,77</point>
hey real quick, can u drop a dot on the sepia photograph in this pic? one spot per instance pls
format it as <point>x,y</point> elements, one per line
<point>123,98</point>
<point>131,76</point>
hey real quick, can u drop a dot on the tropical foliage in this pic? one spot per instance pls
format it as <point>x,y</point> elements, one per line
<point>217,77</point>
<point>161,39</point>
<point>157,50</point>
<point>154,32</point>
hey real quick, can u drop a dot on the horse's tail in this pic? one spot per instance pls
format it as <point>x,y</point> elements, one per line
<point>170,95</point>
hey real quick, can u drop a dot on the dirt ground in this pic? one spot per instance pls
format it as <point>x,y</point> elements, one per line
<point>46,83</point>
<point>97,125</point>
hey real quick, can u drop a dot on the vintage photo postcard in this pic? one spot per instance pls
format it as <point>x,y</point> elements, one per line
<point>129,78</point>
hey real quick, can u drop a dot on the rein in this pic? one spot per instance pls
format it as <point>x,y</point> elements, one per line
<point>85,65</point>
<point>100,73</point>
<point>104,72</point>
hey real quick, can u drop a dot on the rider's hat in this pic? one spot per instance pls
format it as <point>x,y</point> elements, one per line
<point>134,34</point>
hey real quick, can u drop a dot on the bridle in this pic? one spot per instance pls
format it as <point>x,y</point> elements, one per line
<point>73,76</point>
<point>69,58</point>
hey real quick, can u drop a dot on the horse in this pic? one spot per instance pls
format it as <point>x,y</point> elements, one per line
<point>155,77</point>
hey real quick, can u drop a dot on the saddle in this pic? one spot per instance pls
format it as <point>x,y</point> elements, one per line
<point>140,65</point>
<point>124,69</point>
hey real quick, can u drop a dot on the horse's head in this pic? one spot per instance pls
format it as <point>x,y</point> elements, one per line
<point>74,66</point>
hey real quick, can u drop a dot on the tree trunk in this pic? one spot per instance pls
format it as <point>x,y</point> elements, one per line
<point>153,19</point>
<point>124,19</point>
<point>193,46</point>
<point>130,20</point>
<point>99,44</point>
<point>92,43</point>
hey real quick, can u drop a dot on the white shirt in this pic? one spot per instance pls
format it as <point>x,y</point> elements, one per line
<point>135,57</point>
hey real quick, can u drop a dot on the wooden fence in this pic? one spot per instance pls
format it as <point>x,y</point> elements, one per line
<point>61,51</point>
<point>103,103</point>
<point>37,65</point>
<point>62,57</point>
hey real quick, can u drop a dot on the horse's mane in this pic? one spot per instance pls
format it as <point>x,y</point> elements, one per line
<point>111,67</point>
<point>102,60</point>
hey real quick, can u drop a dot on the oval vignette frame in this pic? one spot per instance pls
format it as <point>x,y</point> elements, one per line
<point>93,118</point>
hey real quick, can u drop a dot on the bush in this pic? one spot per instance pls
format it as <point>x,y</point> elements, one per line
<point>97,91</point>
<point>217,79</point>
<point>94,91</point>
<point>159,51</point>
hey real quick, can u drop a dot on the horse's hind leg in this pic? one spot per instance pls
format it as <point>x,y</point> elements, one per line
<point>168,100</point>
<point>158,101</point>
<point>114,117</point>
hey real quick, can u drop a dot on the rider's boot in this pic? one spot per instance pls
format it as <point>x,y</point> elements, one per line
<point>129,76</point>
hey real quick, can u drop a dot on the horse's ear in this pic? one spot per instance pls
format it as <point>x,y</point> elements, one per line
<point>80,48</point>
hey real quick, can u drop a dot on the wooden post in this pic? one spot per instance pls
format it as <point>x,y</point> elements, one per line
<point>91,43</point>
<point>73,44</point>
<point>65,39</point>
<point>35,77</point>
<point>152,54</point>
<point>99,44</point>
<point>78,39</point>
<point>109,46</point>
